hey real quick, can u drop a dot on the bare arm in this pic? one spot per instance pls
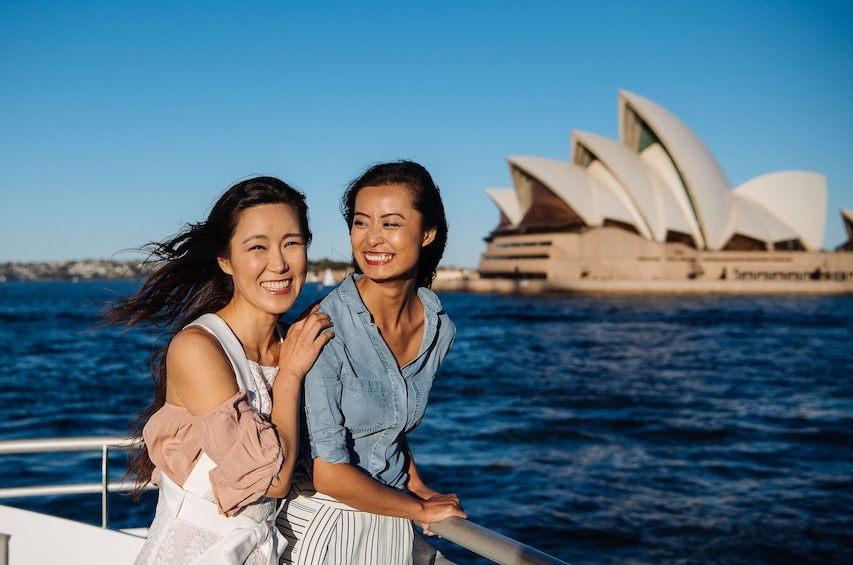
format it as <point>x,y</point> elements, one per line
<point>351,486</point>
<point>199,375</point>
<point>416,484</point>
<point>302,344</point>
<point>418,487</point>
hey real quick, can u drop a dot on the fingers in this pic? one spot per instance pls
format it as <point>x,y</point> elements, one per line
<point>311,318</point>
<point>310,310</point>
<point>304,340</point>
<point>308,328</point>
<point>447,498</point>
<point>442,506</point>
<point>440,514</point>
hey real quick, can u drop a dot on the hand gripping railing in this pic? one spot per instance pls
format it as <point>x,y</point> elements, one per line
<point>53,445</point>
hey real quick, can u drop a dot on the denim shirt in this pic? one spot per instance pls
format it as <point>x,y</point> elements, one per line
<point>358,403</point>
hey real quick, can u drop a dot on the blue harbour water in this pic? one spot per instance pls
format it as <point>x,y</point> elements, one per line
<point>630,430</point>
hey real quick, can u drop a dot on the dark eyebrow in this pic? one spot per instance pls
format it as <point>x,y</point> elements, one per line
<point>264,237</point>
<point>253,237</point>
<point>382,216</point>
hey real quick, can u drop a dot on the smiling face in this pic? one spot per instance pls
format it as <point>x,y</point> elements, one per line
<point>267,258</point>
<point>387,232</point>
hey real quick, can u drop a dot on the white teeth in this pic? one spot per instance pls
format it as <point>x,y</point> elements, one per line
<point>278,285</point>
<point>378,256</point>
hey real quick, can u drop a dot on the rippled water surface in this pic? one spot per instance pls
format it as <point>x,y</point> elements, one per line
<point>597,429</point>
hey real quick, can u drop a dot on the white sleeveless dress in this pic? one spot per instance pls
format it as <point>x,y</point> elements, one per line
<point>174,539</point>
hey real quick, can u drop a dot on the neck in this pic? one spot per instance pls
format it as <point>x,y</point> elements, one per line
<point>256,331</point>
<point>389,302</point>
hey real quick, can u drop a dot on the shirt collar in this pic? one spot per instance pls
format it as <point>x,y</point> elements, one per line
<point>351,297</point>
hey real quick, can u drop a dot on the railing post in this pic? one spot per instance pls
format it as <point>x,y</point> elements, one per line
<point>105,511</point>
<point>4,549</point>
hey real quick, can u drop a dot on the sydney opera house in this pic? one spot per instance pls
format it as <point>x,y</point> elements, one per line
<point>654,211</point>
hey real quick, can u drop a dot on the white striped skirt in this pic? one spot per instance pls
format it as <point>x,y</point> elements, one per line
<point>321,530</point>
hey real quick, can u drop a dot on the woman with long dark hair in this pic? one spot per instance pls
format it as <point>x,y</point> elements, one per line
<point>221,435</point>
<point>370,385</point>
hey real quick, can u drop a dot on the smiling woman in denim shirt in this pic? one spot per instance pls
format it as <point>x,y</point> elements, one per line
<point>370,385</point>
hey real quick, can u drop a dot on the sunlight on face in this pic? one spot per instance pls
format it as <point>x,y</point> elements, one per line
<point>387,233</point>
<point>268,258</point>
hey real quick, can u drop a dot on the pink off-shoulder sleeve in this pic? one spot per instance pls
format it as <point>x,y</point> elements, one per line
<point>246,449</point>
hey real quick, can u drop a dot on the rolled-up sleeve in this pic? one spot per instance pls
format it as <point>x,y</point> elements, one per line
<point>246,449</point>
<point>323,390</point>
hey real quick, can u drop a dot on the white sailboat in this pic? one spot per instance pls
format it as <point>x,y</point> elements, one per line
<point>328,280</point>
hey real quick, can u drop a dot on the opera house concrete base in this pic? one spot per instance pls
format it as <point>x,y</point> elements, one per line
<point>657,287</point>
<point>613,260</point>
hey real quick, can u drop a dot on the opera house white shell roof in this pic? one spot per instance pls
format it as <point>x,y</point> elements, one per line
<point>661,181</point>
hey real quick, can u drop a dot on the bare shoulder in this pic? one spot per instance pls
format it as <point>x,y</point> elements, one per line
<point>199,374</point>
<point>192,339</point>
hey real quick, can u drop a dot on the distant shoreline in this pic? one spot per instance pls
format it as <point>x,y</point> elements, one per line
<point>85,269</point>
<point>107,269</point>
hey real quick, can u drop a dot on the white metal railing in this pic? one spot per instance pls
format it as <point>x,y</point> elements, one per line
<point>475,538</point>
<point>54,445</point>
<point>489,544</point>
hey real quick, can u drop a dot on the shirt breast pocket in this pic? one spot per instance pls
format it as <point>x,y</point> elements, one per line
<point>418,398</point>
<point>363,403</point>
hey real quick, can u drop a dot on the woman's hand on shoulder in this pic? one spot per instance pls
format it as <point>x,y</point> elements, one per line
<point>199,375</point>
<point>304,340</point>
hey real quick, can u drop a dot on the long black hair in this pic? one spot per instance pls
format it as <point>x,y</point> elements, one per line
<point>186,282</point>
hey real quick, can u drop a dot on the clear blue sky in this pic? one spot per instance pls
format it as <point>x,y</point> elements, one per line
<point>121,121</point>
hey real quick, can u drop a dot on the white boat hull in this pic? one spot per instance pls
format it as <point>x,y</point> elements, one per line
<point>36,539</point>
